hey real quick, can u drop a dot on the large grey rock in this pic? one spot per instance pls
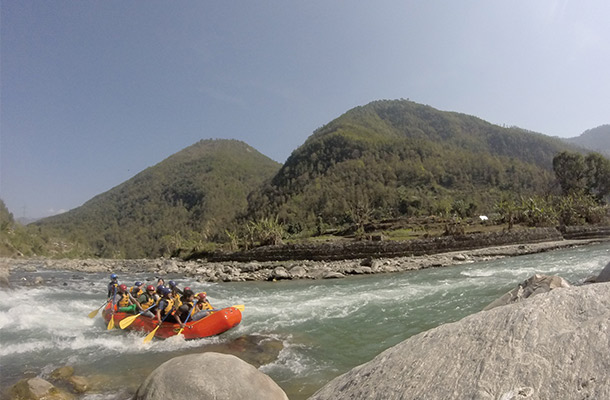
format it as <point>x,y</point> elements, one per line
<point>604,276</point>
<point>532,286</point>
<point>552,346</point>
<point>208,376</point>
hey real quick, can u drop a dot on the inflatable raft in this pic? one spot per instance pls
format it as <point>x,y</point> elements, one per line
<point>214,324</point>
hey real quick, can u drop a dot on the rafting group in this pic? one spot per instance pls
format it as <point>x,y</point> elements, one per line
<point>149,308</point>
<point>166,303</point>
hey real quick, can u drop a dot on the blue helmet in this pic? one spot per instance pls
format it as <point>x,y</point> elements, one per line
<point>113,276</point>
<point>160,289</point>
<point>138,283</point>
<point>172,284</point>
<point>166,291</point>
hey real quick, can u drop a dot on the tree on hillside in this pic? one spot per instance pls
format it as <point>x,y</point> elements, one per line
<point>6,218</point>
<point>569,169</point>
<point>578,174</point>
<point>598,173</point>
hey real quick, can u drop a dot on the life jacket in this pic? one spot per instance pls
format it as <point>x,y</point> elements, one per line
<point>205,305</point>
<point>149,302</point>
<point>135,291</point>
<point>167,306</point>
<point>177,300</point>
<point>124,300</point>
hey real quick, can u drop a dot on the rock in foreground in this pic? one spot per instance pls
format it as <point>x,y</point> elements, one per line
<point>208,376</point>
<point>552,346</point>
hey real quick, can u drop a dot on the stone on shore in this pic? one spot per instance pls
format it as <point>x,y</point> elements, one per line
<point>551,346</point>
<point>208,376</point>
<point>37,389</point>
<point>532,286</point>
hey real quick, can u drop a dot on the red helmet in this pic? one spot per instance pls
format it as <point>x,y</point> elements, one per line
<point>150,287</point>
<point>123,287</point>
<point>187,288</point>
<point>201,296</point>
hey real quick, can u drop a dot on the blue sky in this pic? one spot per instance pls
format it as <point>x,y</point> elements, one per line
<point>93,92</point>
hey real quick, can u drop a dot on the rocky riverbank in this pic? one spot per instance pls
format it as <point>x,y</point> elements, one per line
<point>234,271</point>
<point>553,346</point>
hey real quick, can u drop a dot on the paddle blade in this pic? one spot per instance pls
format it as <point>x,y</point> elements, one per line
<point>92,314</point>
<point>179,332</point>
<point>151,335</point>
<point>111,323</point>
<point>125,322</point>
<point>240,307</point>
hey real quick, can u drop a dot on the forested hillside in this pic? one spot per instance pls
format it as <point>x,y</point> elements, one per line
<point>398,158</point>
<point>188,199</point>
<point>15,239</point>
<point>596,139</point>
<point>388,160</point>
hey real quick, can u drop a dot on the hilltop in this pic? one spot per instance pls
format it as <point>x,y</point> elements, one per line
<point>191,197</point>
<point>397,158</point>
<point>596,139</point>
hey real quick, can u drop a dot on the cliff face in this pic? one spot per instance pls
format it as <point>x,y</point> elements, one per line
<point>553,346</point>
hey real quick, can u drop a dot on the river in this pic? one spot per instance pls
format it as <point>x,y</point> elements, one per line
<point>326,327</point>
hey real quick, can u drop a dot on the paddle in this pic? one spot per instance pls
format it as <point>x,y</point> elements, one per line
<point>151,335</point>
<point>240,307</point>
<point>125,322</point>
<point>187,318</point>
<point>93,313</point>
<point>111,322</point>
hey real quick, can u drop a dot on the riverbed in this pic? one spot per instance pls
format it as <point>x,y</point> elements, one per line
<point>314,330</point>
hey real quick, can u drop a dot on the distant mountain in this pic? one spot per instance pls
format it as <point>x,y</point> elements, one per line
<point>193,195</point>
<point>394,158</point>
<point>596,139</point>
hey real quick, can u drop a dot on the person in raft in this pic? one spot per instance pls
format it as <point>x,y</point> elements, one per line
<point>124,301</point>
<point>174,287</point>
<point>165,309</point>
<point>136,290</point>
<point>112,285</point>
<point>187,307</point>
<point>147,300</point>
<point>176,294</point>
<point>202,308</point>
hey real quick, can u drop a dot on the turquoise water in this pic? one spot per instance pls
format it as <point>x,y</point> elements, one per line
<point>327,327</point>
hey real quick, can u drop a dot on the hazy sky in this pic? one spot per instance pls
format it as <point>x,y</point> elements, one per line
<point>93,92</point>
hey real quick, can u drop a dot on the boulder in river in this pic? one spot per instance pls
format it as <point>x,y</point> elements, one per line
<point>532,286</point>
<point>552,346</point>
<point>37,389</point>
<point>604,276</point>
<point>208,376</point>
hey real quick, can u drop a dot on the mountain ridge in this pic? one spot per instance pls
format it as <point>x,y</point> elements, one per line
<point>385,159</point>
<point>197,189</point>
<point>595,139</point>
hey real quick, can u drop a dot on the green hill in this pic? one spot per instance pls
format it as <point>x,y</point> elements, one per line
<point>15,239</point>
<point>397,158</point>
<point>189,198</point>
<point>596,139</point>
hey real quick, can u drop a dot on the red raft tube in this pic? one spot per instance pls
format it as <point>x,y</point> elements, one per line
<point>214,324</point>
